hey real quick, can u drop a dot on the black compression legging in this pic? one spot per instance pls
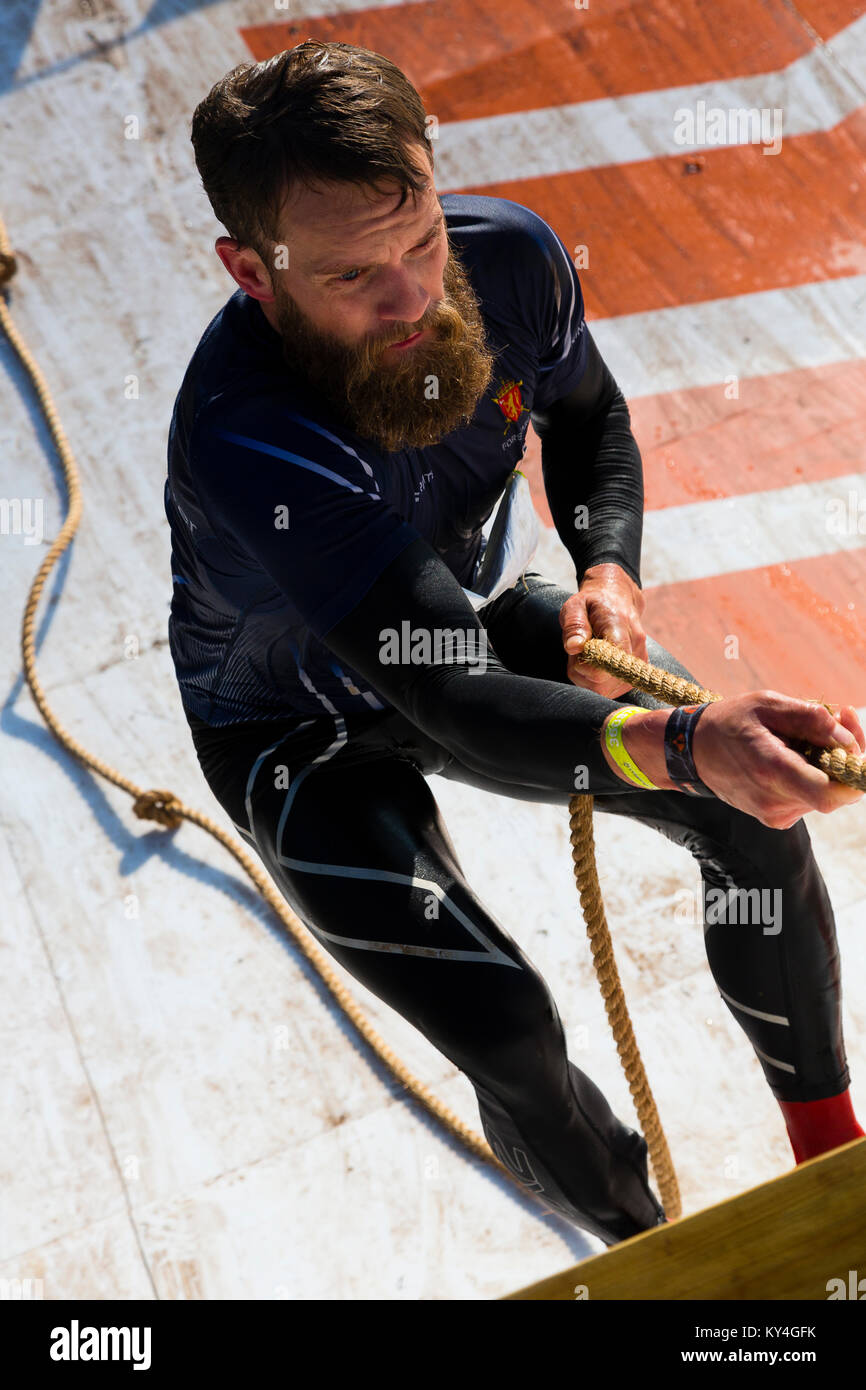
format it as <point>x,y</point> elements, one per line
<point>343,818</point>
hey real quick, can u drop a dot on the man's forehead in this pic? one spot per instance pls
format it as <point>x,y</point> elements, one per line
<point>328,230</point>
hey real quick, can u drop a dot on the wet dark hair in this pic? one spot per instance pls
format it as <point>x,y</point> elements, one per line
<point>320,112</point>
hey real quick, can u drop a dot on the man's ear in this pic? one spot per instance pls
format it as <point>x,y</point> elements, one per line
<point>246,268</point>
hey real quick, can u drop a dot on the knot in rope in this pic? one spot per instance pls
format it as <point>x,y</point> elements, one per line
<point>159,805</point>
<point>8,267</point>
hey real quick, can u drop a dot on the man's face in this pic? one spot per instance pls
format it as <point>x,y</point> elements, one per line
<point>362,277</point>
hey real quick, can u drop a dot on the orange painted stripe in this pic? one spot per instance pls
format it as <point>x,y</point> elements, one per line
<point>696,445</point>
<point>657,236</point>
<point>786,428</point>
<point>827,17</point>
<point>801,628</point>
<point>500,56</point>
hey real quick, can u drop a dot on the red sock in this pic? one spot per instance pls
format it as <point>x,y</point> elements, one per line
<point>814,1126</point>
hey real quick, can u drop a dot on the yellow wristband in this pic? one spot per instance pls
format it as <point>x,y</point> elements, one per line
<point>618,751</point>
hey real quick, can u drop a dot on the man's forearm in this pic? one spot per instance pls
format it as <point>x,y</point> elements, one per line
<point>593,477</point>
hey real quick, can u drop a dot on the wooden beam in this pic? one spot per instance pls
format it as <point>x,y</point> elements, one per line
<point>785,1239</point>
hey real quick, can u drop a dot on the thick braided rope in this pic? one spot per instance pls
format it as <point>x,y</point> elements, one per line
<point>675,690</point>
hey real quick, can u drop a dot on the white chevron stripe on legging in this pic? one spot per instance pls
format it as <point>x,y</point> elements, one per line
<point>248,806</point>
<point>774,1061</point>
<point>490,954</point>
<point>756,1013</point>
<point>338,741</point>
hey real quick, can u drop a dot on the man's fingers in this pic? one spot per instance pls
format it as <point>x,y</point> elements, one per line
<point>576,637</point>
<point>576,629</point>
<point>581,621</point>
<point>847,716</point>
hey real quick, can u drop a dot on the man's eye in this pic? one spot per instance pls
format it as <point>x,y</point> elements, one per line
<point>341,279</point>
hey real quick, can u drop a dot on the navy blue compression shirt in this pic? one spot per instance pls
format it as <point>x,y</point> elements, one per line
<point>253,602</point>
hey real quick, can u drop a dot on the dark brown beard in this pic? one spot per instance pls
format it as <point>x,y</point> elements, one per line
<point>416,400</point>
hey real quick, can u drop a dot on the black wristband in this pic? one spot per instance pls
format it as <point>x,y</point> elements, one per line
<point>679,760</point>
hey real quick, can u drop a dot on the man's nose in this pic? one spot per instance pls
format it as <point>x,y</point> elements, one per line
<point>404,301</point>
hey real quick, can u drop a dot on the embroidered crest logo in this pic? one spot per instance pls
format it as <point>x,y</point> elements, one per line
<point>510,402</point>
